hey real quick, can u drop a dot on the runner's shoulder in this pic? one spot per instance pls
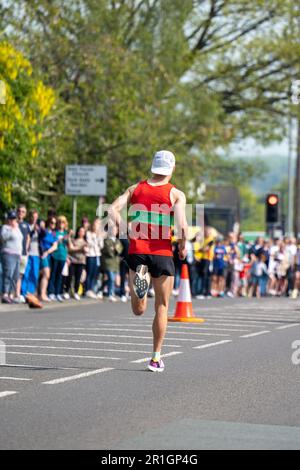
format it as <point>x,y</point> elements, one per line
<point>177,195</point>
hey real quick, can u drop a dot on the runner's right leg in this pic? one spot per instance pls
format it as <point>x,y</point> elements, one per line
<point>138,305</point>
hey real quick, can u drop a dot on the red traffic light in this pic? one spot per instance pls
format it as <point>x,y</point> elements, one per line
<point>273,200</point>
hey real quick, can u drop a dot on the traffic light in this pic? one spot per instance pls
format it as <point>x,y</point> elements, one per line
<point>272,209</point>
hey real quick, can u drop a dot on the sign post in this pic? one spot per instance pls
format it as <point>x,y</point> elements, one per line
<point>74,212</point>
<point>84,180</point>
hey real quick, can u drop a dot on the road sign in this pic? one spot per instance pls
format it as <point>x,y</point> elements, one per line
<point>86,180</point>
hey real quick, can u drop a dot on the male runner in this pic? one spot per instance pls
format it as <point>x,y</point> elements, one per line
<point>153,203</point>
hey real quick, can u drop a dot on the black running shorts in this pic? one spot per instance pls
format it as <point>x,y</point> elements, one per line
<point>157,265</point>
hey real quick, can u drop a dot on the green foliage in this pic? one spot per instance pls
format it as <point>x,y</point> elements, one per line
<point>133,76</point>
<point>252,210</point>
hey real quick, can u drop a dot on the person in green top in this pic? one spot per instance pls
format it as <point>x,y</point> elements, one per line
<point>59,258</point>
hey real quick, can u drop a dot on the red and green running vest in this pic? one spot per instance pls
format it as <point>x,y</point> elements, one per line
<point>151,218</point>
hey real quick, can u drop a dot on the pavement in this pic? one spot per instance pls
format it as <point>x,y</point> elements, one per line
<point>75,377</point>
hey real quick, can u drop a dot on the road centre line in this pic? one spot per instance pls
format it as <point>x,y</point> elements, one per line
<point>17,379</point>
<point>7,394</point>
<point>284,327</point>
<point>131,330</point>
<point>120,336</point>
<point>256,334</point>
<point>75,349</point>
<point>57,340</point>
<point>169,327</point>
<point>78,376</point>
<point>209,345</point>
<point>64,355</point>
<point>146,359</point>
<point>190,327</point>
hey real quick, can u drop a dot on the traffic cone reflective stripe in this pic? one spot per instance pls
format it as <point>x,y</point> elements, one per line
<point>184,306</point>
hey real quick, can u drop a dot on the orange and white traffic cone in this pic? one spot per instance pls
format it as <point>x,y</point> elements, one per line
<point>184,306</point>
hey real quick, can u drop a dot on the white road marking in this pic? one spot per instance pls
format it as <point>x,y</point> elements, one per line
<point>30,366</point>
<point>75,349</point>
<point>179,327</point>
<point>7,394</point>
<point>15,378</point>
<point>87,341</point>
<point>204,346</point>
<point>254,322</point>
<point>207,322</point>
<point>146,359</point>
<point>131,330</point>
<point>65,355</point>
<point>287,326</point>
<point>256,334</point>
<point>118,336</point>
<point>78,376</point>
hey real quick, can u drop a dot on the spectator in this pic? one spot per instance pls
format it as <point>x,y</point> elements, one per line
<point>110,261</point>
<point>31,275</point>
<point>207,255</point>
<point>259,271</point>
<point>77,251</point>
<point>124,269</point>
<point>11,252</point>
<point>282,267</point>
<point>59,258</point>
<point>190,260</point>
<point>94,244</point>
<point>297,274</point>
<point>25,229</point>
<point>218,280</point>
<point>178,264</point>
<point>232,274</point>
<point>47,245</point>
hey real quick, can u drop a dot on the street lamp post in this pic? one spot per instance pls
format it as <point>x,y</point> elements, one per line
<point>294,201</point>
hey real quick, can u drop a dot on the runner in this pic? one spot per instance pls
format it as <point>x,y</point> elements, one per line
<point>153,203</point>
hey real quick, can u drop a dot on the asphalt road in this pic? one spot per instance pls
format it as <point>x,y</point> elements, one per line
<point>75,378</point>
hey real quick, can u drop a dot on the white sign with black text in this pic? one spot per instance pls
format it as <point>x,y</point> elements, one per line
<point>86,180</point>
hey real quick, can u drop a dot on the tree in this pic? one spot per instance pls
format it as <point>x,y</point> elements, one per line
<point>136,75</point>
<point>23,116</point>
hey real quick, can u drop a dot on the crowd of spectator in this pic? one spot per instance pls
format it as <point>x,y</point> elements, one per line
<point>230,266</point>
<point>42,257</point>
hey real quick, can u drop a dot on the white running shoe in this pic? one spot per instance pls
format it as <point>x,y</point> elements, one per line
<point>100,295</point>
<point>91,295</point>
<point>77,297</point>
<point>294,294</point>
<point>66,296</point>
<point>112,298</point>
<point>52,297</point>
<point>60,298</point>
<point>141,281</point>
<point>124,298</point>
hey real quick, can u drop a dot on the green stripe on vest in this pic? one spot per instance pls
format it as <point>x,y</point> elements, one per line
<point>153,218</point>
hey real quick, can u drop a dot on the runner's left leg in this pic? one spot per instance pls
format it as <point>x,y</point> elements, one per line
<point>163,286</point>
<point>138,305</point>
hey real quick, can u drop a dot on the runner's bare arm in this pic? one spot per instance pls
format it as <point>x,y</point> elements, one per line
<point>179,201</point>
<point>119,204</point>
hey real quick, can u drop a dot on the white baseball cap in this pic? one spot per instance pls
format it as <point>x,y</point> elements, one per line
<point>163,163</point>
